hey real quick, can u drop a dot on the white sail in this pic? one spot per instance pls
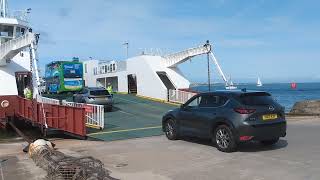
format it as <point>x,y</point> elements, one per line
<point>259,83</point>
<point>230,85</point>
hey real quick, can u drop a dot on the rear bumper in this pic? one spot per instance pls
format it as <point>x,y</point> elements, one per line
<point>263,131</point>
<point>106,103</point>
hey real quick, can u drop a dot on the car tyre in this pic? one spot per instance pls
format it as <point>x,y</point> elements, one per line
<point>224,139</point>
<point>171,129</point>
<point>269,142</point>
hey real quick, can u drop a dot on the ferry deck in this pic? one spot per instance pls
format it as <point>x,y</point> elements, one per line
<point>131,117</point>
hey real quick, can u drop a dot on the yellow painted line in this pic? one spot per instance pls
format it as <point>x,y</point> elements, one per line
<point>125,130</point>
<point>158,100</point>
<point>121,93</point>
<point>92,126</point>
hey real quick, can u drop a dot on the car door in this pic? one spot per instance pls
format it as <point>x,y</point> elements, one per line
<point>186,114</point>
<point>206,114</point>
<point>200,114</point>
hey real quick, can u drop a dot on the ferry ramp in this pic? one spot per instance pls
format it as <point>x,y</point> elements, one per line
<point>132,117</point>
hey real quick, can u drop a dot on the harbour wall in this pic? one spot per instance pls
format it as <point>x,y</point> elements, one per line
<point>310,107</point>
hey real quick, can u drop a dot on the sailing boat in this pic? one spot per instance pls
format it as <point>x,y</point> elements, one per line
<point>230,85</point>
<point>259,83</point>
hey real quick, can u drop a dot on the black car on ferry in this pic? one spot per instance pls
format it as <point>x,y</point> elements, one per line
<point>228,118</point>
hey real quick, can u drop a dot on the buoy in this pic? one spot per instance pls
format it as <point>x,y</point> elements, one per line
<point>293,85</point>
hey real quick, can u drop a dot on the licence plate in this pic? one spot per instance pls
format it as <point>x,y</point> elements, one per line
<point>100,98</point>
<point>269,116</point>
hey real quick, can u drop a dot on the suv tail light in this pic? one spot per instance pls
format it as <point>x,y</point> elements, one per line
<point>244,110</point>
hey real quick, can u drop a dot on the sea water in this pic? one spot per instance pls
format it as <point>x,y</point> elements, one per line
<point>282,92</point>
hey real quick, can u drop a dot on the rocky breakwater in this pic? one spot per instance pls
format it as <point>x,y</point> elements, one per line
<point>310,107</point>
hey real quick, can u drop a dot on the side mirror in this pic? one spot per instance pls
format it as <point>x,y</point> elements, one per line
<point>184,107</point>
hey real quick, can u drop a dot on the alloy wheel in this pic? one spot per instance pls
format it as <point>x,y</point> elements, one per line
<point>169,128</point>
<point>222,138</point>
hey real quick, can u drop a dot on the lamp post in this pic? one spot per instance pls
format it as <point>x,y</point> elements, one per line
<point>127,48</point>
<point>208,65</point>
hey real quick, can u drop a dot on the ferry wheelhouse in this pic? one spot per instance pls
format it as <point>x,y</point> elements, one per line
<point>16,43</point>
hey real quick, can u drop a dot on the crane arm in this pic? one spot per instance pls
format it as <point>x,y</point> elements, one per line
<point>218,67</point>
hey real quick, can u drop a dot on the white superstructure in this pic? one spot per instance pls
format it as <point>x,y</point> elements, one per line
<point>146,75</point>
<point>18,64</point>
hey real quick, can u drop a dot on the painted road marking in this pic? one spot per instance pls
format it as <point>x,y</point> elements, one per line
<point>139,103</point>
<point>126,113</point>
<point>128,100</point>
<point>125,130</point>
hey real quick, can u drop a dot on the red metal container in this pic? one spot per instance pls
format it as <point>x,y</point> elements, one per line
<point>65,118</point>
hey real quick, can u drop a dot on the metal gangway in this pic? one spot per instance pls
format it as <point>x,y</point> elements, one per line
<point>172,60</point>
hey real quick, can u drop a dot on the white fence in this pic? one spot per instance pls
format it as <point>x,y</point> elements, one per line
<point>46,100</point>
<point>94,113</point>
<point>178,96</point>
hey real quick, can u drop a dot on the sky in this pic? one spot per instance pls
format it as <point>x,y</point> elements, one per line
<point>275,40</point>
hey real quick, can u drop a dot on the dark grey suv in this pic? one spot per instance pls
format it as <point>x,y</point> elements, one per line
<point>228,118</point>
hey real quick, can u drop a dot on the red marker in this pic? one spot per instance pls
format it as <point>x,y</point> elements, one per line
<point>293,85</point>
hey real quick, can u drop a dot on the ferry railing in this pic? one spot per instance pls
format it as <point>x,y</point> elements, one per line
<point>21,15</point>
<point>178,96</point>
<point>46,100</point>
<point>94,113</point>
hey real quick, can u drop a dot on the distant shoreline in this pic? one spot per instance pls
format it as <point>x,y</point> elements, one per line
<point>248,83</point>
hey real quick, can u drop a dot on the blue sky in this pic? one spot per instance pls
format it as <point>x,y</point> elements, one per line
<point>276,40</point>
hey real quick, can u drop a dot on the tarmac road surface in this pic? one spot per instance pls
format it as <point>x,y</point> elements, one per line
<point>295,157</point>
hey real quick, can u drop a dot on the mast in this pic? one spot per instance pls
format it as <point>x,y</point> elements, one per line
<point>3,8</point>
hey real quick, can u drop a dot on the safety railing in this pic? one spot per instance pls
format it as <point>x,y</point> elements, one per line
<point>46,100</point>
<point>94,113</point>
<point>21,15</point>
<point>178,96</point>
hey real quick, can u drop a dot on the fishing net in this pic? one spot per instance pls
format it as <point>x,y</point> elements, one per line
<point>63,167</point>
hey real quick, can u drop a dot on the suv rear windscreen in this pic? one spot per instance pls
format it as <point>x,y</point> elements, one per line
<point>99,92</point>
<point>257,99</point>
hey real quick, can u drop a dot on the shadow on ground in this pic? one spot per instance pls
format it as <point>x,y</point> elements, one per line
<point>253,146</point>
